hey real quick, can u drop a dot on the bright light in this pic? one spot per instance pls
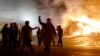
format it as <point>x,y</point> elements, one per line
<point>76,33</point>
<point>90,25</point>
<point>30,15</point>
<point>86,26</point>
<point>89,29</point>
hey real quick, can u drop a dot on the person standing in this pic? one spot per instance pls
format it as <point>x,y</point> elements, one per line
<point>11,35</point>
<point>27,36</point>
<point>15,35</point>
<point>60,34</point>
<point>5,35</point>
<point>49,32</point>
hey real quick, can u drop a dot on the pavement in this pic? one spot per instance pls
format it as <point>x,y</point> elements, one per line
<point>55,51</point>
<point>67,50</point>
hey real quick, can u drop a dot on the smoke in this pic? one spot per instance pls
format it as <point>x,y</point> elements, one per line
<point>92,8</point>
<point>60,10</point>
<point>51,8</point>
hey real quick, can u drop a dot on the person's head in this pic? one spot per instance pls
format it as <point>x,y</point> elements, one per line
<point>11,24</point>
<point>48,20</point>
<point>15,23</point>
<point>27,23</point>
<point>59,26</point>
<point>6,25</point>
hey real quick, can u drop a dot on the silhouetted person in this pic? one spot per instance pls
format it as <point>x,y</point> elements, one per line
<point>5,35</point>
<point>60,34</point>
<point>11,35</point>
<point>26,36</point>
<point>38,35</point>
<point>49,32</point>
<point>42,35</point>
<point>15,35</point>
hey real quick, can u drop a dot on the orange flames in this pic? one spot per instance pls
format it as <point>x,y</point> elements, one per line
<point>85,17</point>
<point>83,21</point>
<point>85,26</point>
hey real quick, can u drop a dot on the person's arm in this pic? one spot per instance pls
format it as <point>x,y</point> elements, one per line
<point>34,28</point>
<point>39,19</point>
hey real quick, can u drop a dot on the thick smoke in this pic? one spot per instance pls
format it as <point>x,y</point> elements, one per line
<point>92,8</point>
<point>51,8</point>
<point>59,10</point>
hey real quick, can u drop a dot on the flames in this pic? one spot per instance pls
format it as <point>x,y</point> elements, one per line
<point>83,16</point>
<point>81,21</point>
<point>88,25</point>
<point>84,25</point>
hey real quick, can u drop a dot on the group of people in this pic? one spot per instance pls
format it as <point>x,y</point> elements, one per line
<point>9,35</point>
<point>12,36</point>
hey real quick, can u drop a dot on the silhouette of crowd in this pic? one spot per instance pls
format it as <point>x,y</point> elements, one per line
<point>9,35</point>
<point>13,36</point>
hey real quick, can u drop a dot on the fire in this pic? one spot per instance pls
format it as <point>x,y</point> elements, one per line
<point>81,21</point>
<point>86,26</point>
<point>91,26</point>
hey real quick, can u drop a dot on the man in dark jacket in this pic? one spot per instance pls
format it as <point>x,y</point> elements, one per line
<point>49,32</point>
<point>27,35</point>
